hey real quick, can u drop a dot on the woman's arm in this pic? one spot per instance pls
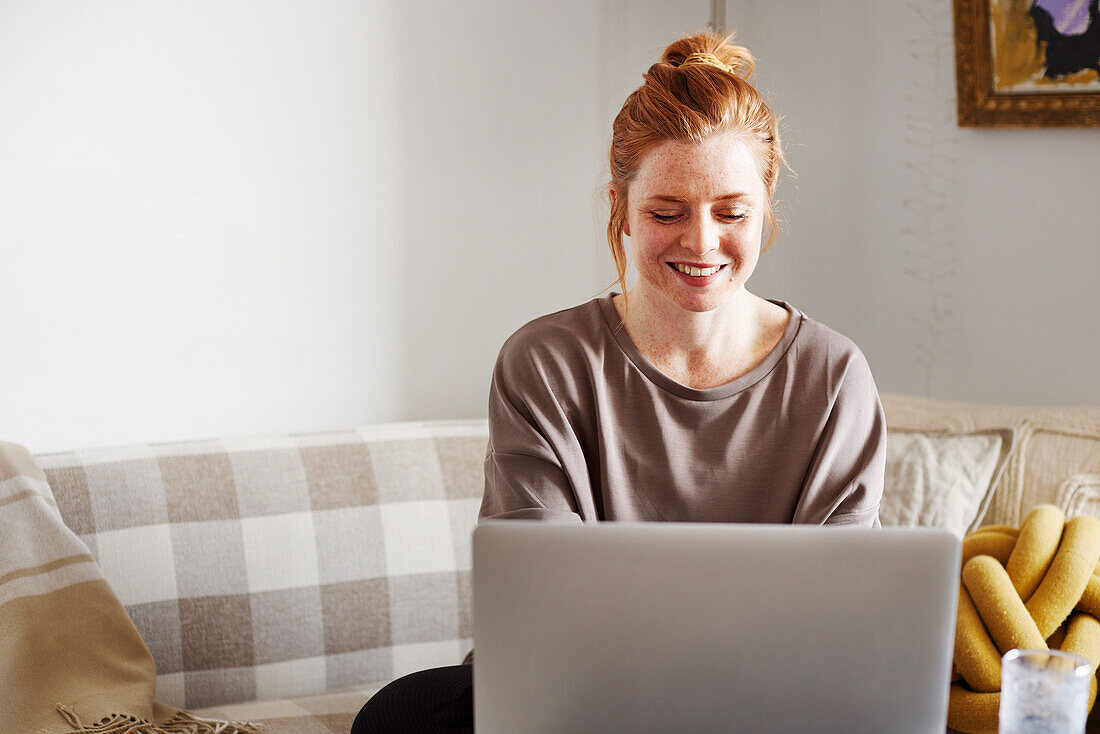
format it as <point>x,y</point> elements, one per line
<point>528,435</point>
<point>844,483</point>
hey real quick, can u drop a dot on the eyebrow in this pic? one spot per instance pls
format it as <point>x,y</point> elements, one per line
<point>682,200</point>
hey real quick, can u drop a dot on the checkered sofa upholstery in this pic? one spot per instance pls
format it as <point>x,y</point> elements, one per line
<point>286,566</point>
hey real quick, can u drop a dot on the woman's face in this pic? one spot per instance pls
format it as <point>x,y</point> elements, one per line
<point>695,217</point>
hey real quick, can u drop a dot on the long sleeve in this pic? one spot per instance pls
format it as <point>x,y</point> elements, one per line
<point>525,476</point>
<point>844,483</point>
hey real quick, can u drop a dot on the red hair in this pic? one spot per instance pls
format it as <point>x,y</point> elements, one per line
<point>691,102</point>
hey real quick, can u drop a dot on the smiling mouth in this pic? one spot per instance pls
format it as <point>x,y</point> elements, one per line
<point>696,272</point>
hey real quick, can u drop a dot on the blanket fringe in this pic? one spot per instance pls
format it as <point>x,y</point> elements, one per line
<point>181,723</point>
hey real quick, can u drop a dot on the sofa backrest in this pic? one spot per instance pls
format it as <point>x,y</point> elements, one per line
<point>1055,457</point>
<point>261,568</point>
<point>287,565</point>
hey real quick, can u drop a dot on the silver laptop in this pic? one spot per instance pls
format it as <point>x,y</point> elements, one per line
<point>688,627</point>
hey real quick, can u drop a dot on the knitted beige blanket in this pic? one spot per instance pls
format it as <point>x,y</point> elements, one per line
<point>70,658</point>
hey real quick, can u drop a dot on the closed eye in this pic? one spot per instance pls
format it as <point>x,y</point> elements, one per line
<point>668,218</point>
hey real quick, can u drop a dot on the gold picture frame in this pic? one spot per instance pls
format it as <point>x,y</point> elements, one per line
<point>1004,81</point>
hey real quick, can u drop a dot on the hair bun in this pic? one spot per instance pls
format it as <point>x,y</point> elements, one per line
<point>708,60</point>
<point>710,49</point>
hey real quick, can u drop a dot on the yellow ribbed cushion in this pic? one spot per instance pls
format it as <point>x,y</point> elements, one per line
<point>1036,587</point>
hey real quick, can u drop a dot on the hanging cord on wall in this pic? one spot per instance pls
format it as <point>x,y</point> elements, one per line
<point>717,22</point>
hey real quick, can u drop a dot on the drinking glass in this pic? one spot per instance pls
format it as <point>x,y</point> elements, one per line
<point>1044,692</point>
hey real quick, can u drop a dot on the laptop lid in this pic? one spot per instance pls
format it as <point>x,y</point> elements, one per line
<point>694,627</point>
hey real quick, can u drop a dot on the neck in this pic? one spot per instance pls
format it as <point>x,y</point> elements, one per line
<point>668,334</point>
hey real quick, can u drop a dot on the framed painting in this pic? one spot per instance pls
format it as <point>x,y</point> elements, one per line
<point>1027,63</point>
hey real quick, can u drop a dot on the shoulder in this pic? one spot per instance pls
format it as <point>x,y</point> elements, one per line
<point>824,345</point>
<point>836,388</point>
<point>555,334</point>
<point>554,343</point>
<point>831,356</point>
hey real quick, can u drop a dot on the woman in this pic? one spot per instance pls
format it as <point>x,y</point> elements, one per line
<point>686,397</point>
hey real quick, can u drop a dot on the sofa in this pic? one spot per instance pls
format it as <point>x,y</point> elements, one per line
<point>305,571</point>
<point>286,579</point>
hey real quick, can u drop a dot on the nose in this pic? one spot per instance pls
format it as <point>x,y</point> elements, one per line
<point>701,236</point>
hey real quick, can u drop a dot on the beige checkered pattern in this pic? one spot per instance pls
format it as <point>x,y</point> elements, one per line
<point>287,565</point>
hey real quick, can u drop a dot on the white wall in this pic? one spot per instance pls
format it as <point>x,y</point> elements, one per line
<point>512,173</point>
<point>241,217</point>
<point>252,217</point>
<point>964,262</point>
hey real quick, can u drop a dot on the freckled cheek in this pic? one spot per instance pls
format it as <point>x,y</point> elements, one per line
<point>738,247</point>
<point>653,243</point>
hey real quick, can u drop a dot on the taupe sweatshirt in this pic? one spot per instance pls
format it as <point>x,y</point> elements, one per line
<point>583,427</point>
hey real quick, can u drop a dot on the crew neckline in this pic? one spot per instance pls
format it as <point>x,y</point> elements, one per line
<point>630,349</point>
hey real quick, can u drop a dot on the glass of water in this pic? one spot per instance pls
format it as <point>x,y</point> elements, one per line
<point>1044,692</point>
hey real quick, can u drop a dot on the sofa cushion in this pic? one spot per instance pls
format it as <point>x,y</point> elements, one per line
<point>1052,445</point>
<point>328,713</point>
<point>261,568</point>
<point>942,479</point>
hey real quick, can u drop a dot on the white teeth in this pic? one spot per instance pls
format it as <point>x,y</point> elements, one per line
<point>697,272</point>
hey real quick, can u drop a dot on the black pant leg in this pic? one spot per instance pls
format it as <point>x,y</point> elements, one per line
<point>426,702</point>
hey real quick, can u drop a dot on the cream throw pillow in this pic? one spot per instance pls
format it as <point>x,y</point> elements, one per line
<point>942,480</point>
